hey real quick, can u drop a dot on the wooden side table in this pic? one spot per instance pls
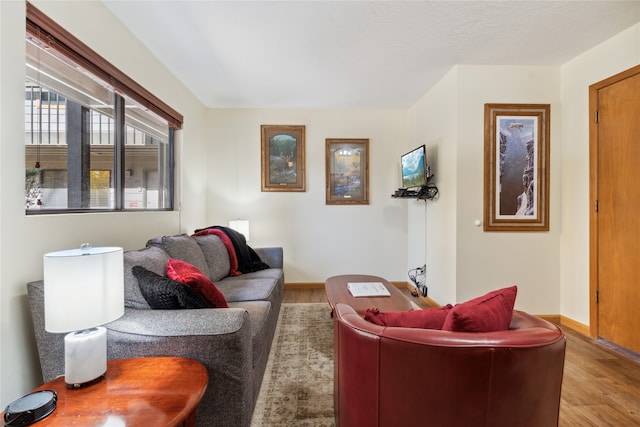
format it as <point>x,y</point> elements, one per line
<point>147,391</point>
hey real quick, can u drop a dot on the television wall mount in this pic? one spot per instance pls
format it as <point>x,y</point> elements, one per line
<point>426,192</point>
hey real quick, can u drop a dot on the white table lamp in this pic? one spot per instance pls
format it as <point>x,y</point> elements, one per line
<point>83,289</point>
<point>241,226</point>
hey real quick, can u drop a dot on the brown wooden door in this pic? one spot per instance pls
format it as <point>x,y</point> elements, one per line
<point>617,209</point>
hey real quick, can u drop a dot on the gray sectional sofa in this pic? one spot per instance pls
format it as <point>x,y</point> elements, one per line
<point>233,343</point>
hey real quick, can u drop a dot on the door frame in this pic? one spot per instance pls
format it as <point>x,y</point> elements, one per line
<point>593,193</point>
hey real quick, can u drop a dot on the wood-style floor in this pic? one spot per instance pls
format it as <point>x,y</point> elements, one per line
<point>601,384</point>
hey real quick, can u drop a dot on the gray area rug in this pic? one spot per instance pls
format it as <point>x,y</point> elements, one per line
<point>297,389</point>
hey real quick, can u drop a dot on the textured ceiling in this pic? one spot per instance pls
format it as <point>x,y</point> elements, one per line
<point>356,54</point>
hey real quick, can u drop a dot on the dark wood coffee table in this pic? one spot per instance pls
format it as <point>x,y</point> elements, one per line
<point>337,292</point>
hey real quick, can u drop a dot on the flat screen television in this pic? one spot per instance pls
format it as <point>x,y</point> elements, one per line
<point>414,168</point>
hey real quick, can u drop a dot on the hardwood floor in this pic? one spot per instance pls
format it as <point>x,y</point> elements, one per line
<point>601,384</point>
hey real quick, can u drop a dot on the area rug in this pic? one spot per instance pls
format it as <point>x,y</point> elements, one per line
<point>297,389</point>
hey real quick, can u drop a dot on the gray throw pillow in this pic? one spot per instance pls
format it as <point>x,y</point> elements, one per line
<point>184,248</point>
<point>153,259</point>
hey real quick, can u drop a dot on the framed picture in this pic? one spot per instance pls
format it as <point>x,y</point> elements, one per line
<point>282,158</point>
<point>347,171</point>
<point>516,167</point>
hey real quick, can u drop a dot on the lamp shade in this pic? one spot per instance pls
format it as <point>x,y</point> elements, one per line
<point>241,226</point>
<point>83,288</point>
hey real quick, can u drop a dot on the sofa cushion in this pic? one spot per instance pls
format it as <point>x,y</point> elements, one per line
<point>432,318</point>
<point>216,255</point>
<point>270,273</point>
<point>183,272</point>
<point>153,259</point>
<point>487,313</point>
<point>185,248</point>
<point>231,250</point>
<point>163,293</point>
<point>247,290</point>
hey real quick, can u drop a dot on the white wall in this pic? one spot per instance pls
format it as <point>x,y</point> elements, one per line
<point>433,122</point>
<point>465,261</point>
<point>319,240</point>
<point>550,268</point>
<point>487,260</point>
<point>24,239</point>
<point>605,60</point>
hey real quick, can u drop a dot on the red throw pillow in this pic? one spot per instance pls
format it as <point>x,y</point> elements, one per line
<point>183,272</point>
<point>488,313</point>
<point>432,318</point>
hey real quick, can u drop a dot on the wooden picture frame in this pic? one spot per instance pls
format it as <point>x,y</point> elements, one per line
<point>516,167</point>
<point>347,171</point>
<point>283,157</point>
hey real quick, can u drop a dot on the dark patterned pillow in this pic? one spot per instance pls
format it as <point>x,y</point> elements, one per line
<point>164,293</point>
<point>183,272</point>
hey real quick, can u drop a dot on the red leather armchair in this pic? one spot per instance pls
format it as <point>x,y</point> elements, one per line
<point>391,377</point>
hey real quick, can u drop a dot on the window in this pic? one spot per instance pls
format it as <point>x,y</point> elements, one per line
<point>94,139</point>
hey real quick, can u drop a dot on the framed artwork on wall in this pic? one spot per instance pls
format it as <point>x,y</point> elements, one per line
<point>347,171</point>
<point>283,157</point>
<point>516,167</point>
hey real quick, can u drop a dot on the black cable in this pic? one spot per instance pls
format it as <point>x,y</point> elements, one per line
<point>413,276</point>
<point>428,192</point>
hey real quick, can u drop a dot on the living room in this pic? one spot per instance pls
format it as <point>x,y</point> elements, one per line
<point>218,179</point>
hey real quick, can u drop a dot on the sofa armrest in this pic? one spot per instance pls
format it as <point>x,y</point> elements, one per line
<point>168,323</point>
<point>273,257</point>
<point>218,338</point>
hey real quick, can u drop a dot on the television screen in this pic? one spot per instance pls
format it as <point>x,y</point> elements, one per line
<point>414,168</point>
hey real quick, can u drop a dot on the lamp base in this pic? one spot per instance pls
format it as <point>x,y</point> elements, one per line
<point>85,357</point>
